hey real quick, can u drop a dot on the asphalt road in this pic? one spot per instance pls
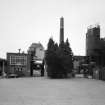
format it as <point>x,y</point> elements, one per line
<point>44,91</point>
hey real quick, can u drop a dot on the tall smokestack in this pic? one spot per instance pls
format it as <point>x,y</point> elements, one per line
<point>61,29</point>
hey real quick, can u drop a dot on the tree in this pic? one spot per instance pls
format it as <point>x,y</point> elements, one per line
<point>69,57</point>
<point>50,52</point>
<point>66,57</point>
<point>51,58</point>
<point>59,59</point>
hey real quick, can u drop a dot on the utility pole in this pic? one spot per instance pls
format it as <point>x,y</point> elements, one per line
<point>19,50</point>
<point>3,72</point>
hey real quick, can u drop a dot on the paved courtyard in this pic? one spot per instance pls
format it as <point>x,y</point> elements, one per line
<point>44,91</point>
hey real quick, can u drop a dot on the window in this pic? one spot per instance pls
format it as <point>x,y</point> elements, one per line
<point>18,60</point>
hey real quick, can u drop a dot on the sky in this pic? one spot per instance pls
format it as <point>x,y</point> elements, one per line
<point>23,22</point>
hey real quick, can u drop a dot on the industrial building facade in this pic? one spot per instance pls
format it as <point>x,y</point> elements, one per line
<point>95,46</point>
<point>36,52</point>
<point>3,66</point>
<point>18,63</point>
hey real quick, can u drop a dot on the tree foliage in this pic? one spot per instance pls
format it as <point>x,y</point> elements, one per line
<point>59,59</point>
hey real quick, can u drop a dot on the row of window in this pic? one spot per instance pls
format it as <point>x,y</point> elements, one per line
<point>18,60</point>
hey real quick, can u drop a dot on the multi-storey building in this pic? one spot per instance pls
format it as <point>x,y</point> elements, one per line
<point>36,52</point>
<point>95,46</point>
<point>18,63</point>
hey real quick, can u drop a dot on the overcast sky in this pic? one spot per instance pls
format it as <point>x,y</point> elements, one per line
<point>23,22</point>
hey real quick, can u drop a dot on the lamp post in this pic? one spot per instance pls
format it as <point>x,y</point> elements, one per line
<point>19,50</point>
<point>3,71</point>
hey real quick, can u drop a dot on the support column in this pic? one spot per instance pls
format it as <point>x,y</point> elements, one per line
<point>3,70</point>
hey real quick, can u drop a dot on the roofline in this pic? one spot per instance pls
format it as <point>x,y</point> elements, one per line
<point>17,53</point>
